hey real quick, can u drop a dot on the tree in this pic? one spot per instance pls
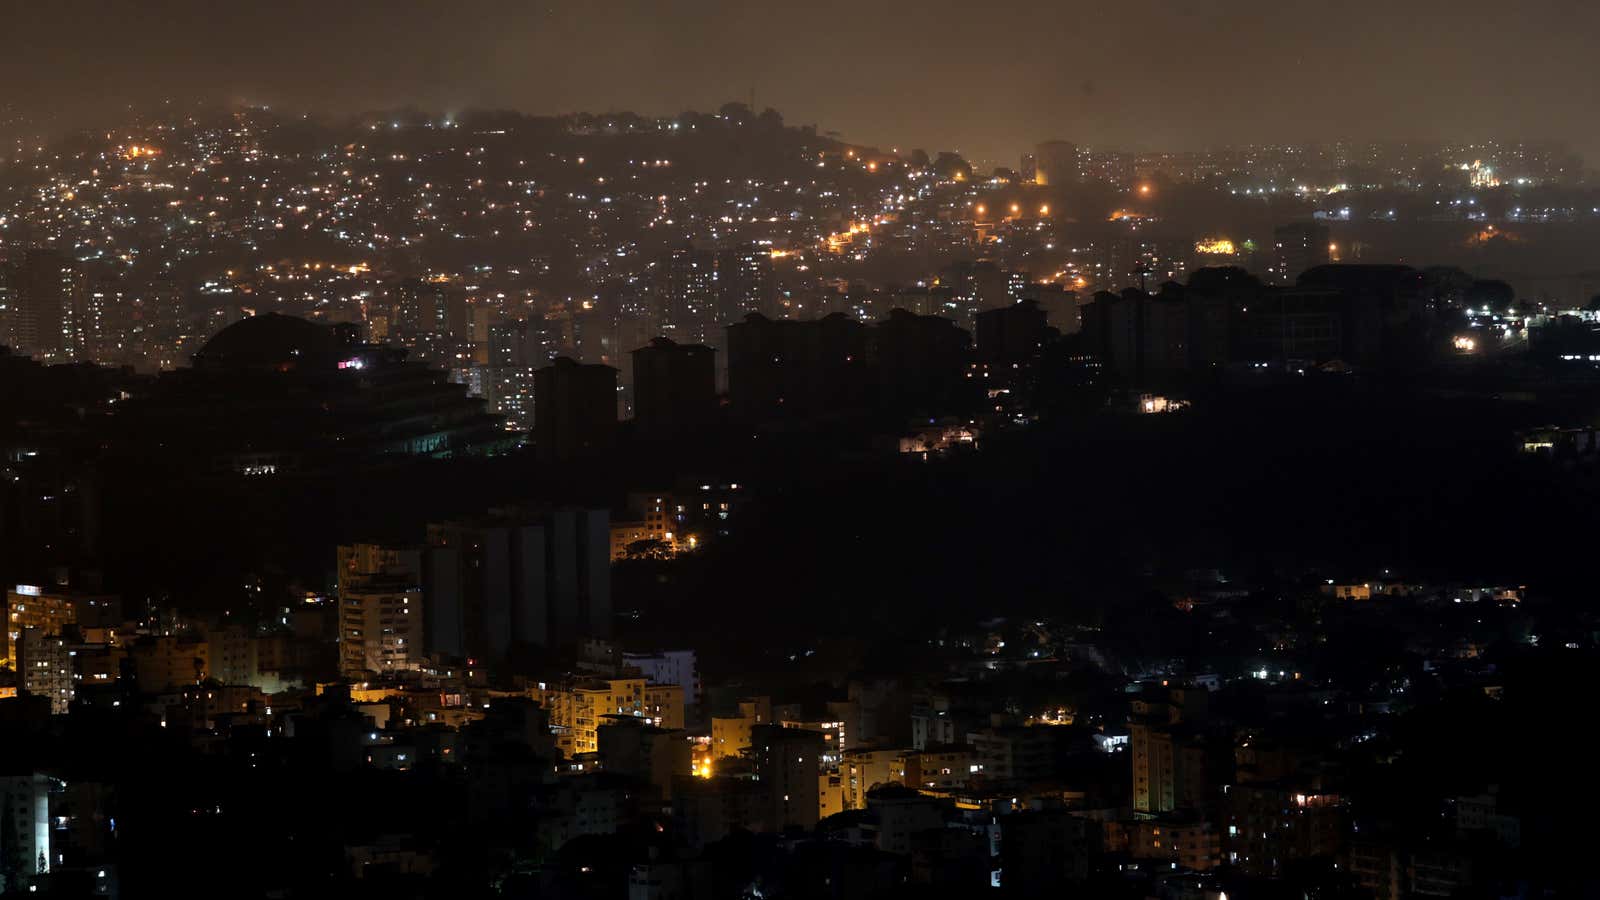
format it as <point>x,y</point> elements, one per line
<point>1491,294</point>
<point>648,548</point>
<point>770,120</point>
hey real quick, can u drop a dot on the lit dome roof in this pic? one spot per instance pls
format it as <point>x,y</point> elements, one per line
<point>270,341</point>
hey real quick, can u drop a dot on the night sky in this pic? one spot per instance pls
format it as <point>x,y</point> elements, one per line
<point>988,79</point>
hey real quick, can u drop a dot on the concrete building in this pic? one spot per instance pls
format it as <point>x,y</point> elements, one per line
<point>711,809</point>
<point>380,610</point>
<point>1168,757</point>
<point>902,813</point>
<point>25,801</point>
<point>52,316</point>
<point>731,735</point>
<point>632,746</point>
<point>687,309</point>
<point>1043,851</point>
<point>578,710</point>
<point>788,764</point>
<point>1298,247</point>
<point>745,281</point>
<point>1271,825</point>
<point>669,667</point>
<point>862,770</point>
<point>1016,753</point>
<point>1056,163</point>
<point>674,388</point>
<point>167,662</point>
<point>33,606</point>
<point>940,767</point>
<point>44,668</point>
<point>574,409</point>
<point>537,578</point>
<point>1011,334</point>
<point>1190,844</point>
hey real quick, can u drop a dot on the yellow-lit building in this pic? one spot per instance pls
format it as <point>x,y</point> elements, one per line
<point>938,768</point>
<point>659,520</point>
<point>701,762</point>
<point>830,795</point>
<point>577,711</point>
<point>30,606</point>
<point>730,735</point>
<point>1192,845</point>
<point>626,534</point>
<point>862,770</point>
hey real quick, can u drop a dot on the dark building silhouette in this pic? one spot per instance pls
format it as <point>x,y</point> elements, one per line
<point>574,409</point>
<point>674,387</point>
<point>52,313</point>
<point>787,762</point>
<point>1292,324</point>
<point>836,366</point>
<point>1139,335</point>
<point>1384,313</point>
<point>793,368</point>
<point>919,362</point>
<point>536,578</point>
<point>274,392</point>
<point>1056,163</point>
<point>1356,315</point>
<point>1011,333</point>
<point>1043,850</point>
<point>1298,247</point>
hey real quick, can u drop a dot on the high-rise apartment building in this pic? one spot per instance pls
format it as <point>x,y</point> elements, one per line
<point>33,606</point>
<point>788,763</point>
<point>674,387</point>
<point>574,409</point>
<point>1297,247</point>
<point>578,711</point>
<point>1056,163</point>
<point>540,579</point>
<point>380,610</point>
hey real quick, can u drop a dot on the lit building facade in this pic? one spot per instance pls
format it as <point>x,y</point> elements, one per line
<point>32,606</point>
<point>577,711</point>
<point>380,610</point>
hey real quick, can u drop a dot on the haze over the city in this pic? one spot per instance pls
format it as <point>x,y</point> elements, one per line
<point>703,450</point>
<point>988,80</point>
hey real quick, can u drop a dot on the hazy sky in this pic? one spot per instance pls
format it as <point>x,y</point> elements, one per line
<point>988,78</point>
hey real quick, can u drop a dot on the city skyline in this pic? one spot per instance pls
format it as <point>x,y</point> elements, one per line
<point>411,487</point>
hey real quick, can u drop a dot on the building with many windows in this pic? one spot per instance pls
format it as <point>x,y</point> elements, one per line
<point>578,710</point>
<point>32,606</point>
<point>380,610</point>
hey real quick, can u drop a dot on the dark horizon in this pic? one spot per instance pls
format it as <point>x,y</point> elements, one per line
<point>898,75</point>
